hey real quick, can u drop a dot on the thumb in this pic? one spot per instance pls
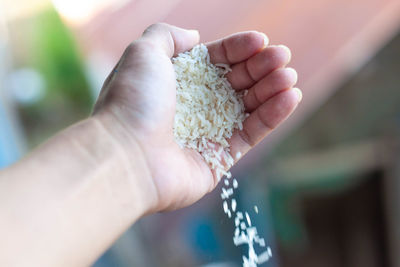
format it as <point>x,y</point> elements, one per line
<point>170,39</point>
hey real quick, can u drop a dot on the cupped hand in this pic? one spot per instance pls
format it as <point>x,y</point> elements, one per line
<point>137,106</point>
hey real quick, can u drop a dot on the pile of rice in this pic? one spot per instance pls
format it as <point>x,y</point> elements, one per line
<point>208,110</point>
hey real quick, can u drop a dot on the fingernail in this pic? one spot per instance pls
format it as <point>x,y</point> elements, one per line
<point>287,50</point>
<point>294,73</point>
<point>299,93</point>
<point>193,31</point>
<point>266,40</point>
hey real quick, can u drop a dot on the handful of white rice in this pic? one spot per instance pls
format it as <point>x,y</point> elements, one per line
<point>208,110</point>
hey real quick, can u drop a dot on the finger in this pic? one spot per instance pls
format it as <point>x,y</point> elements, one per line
<point>247,73</point>
<point>106,86</point>
<point>166,38</point>
<point>270,85</point>
<point>111,76</point>
<point>236,47</point>
<point>170,39</point>
<point>263,120</point>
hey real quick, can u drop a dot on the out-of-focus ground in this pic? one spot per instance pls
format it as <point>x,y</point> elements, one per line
<point>325,183</point>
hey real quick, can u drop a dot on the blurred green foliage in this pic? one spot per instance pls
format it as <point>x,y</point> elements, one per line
<point>46,45</point>
<point>57,58</point>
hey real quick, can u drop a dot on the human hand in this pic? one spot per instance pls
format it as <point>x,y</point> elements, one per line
<point>137,107</point>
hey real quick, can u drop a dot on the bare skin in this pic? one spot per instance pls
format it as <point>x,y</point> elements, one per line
<point>69,199</point>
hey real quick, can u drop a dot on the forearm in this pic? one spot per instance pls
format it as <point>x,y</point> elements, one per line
<point>67,201</point>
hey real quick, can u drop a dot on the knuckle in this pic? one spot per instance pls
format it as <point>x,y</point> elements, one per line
<point>251,36</point>
<point>130,47</point>
<point>154,27</point>
<point>138,47</point>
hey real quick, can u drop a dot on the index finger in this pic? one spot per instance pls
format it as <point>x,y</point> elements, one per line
<point>237,47</point>
<point>263,120</point>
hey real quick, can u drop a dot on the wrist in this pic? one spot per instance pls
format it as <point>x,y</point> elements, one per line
<point>134,185</point>
<point>82,187</point>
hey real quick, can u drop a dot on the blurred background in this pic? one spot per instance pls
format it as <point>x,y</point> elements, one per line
<point>326,184</point>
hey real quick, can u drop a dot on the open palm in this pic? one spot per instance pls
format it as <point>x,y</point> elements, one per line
<point>137,104</point>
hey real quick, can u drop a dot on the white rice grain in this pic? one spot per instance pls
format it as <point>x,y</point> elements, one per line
<point>208,110</point>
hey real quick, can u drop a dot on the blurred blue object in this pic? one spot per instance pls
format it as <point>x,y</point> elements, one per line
<point>10,143</point>
<point>202,236</point>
